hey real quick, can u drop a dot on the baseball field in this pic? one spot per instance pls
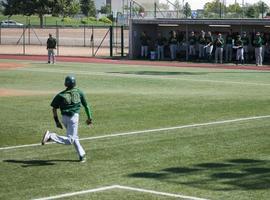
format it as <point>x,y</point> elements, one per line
<point>158,133</point>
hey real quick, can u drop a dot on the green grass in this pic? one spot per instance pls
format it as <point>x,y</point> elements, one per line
<point>50,21</point>
<point>223,161</point>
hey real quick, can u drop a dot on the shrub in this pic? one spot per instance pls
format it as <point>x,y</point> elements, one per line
<point>105,20</point>
<point>88,20</point>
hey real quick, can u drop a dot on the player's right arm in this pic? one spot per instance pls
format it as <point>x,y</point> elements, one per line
<point>55,117</point>
<point>55,105</point>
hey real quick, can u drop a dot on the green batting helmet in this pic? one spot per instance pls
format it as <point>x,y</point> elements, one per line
<point>70,81</point>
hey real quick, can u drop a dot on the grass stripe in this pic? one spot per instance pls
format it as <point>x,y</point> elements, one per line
<point>139,76</point>
<point>151,130</point>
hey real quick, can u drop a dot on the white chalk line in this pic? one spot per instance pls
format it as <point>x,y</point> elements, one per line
<point>138,76</point>
<point>122,188</point>
<point>150,130</point>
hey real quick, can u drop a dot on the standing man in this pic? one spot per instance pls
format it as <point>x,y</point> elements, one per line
<point>160,46</point>
<point>69,102</point>
<point>238,45</point>
<point>192,45</point>
<point>173,45</point>
<point>51,46</point>
<point>144,44</point>
<point>209,45</point>
<point>245,40</point>
<point>219,43</point>
<point>202,43</point>
<point>257,42</point>
<point>229,46</point>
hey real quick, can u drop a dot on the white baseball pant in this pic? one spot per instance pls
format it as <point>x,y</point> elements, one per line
<point>71,124</point>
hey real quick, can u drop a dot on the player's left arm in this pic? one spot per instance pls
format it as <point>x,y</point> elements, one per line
<point>87,109</point>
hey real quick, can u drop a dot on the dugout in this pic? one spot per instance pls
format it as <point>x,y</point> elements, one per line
<point>185,26</point>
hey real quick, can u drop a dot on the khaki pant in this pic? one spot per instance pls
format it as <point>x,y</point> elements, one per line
<point>51,55</point>
<point>219,54</point>
<point>258,55</point>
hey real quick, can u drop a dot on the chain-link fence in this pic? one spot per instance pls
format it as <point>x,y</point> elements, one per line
<point>81,41</point>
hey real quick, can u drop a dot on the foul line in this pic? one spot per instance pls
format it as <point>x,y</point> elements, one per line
<point>151,130</point>
<point>123,188</point>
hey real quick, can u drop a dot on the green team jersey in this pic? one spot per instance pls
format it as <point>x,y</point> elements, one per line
<point>257,42</point>
<point>51,43</point>
<point>229,39</point>
<point>192,40</point>
<point>209,40</point>
<point>219,42</point>
<point>69,101</point>
<point>245,40</point>
<point>202,40</point>
<point>238,43</point>
<point>144,40</point>
<point>173,40</point>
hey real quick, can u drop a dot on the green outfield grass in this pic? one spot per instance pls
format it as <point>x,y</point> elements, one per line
<point>229,160</point>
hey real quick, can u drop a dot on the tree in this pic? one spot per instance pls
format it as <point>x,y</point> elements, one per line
<point>256,10</point>
<point>88,8</point>
<point>106,9</point>
<point>28,7</point>
<point>187,10</point>
<point>74,8</point>
<point>214,8</point>
<point>66,7</point>
<point>250,12</point>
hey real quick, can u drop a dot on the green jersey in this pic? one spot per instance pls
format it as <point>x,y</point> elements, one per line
<point>51,43</point>
<point>257,42</point>
<point>219,42</point>
<point>245,40</point>
<point>69,101</point>
<point>238,43</point>
<point>229,39</point>
<point>192,40</point>
<point>202,40</point>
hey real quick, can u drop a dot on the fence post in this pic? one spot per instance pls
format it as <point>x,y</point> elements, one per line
<point>23,40</point>
<point>92,41</point>
<point>29,32</point>
<point>57,38</point>
<point>122,41</point>
<point>84,35</point>
<point>111,41</point>
<point>187,42</point>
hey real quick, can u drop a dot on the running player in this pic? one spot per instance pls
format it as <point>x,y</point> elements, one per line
<point>69,102</point>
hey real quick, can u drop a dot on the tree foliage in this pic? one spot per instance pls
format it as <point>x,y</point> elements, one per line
<point>88,8</point>
<point>187,10</point>
<point>28,7</point>
<point>106,9</point>
<point>256,10</point>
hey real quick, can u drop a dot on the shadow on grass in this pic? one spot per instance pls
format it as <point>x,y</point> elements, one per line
<point>168,73</point>
<point>237,174</point>
<point>37,163</point>
<point>159,73</point>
